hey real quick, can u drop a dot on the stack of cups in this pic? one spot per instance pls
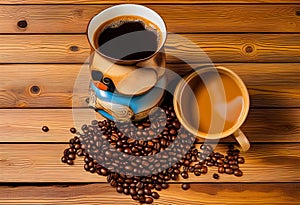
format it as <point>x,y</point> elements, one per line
<point>127,61</point>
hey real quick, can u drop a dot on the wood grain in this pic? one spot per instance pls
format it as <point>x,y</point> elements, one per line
<point>184,47</point>
<point>144,1</point>
<point>188,18</point>
<point>41,163</point>
<point>270,85</point>
<point>24,125</point>
<point>271,193</point>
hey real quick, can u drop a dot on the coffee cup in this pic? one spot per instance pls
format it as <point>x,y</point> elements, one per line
<point>127,49</point>
<point>212,103</point>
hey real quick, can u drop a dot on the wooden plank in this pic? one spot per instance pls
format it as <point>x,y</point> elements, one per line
<point>41,163</point>
<point>24,125</point>
<point>188,18</point>
<point>145,1</point>
<point>270,85</point>
<point>271,193</point>
<point>187,47</point>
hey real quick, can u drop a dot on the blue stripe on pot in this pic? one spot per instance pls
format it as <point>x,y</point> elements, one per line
<point>106,115</point>
<point>136,103</point>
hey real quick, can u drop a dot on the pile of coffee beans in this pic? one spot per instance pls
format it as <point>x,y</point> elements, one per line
<point>139,158</point>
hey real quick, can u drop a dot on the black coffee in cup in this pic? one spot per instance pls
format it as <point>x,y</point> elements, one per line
<point>127,38</point>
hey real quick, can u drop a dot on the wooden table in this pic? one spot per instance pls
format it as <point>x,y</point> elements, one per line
<point>258,39</point>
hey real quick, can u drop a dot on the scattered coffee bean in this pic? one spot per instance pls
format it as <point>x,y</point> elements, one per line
<point>45,128</point>
<point>91,143</point>
<point>64,159</point>
<point>73,130</point>
<point>185,186</point>
<point>216,176</point>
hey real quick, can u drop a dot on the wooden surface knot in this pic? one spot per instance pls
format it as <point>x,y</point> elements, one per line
<point>22,24</point>
<point>74,48</point>
<point>249,49</point>
<point>35,90</point>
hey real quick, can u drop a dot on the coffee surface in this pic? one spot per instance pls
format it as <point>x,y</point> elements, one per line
<point>127,38</point>
<point>219,102</point>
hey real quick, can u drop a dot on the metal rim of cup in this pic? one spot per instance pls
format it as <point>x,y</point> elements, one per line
<point>163,32</point>
<point>184,82</point>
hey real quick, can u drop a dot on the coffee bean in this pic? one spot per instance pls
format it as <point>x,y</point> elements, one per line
<point>64,159</point>
<point>86,167</point>
<point>218,155</point>
<point>228,171</point>
<point>185,186</point>
<point>87,159</point>
<point>71,156</point>
<point>70,162</point>
<point>127,151</point>
<point>184,175</point>
<point>77,146</point>
<point>232,162</point>
<point>73,130</point>
<point>221,169</point>
<point>104,171</point>
<point>164,185</point>
<point>176,124</point>
<point>148,200</point>
<point>132,191</point>
<point>113,183</point>
<point>234,166</point>
<point>203,170</point>
<point>147,191</point>
<point>174,176</point>
<point>142,199</point>
<point>155,195</point>
<point>119,189</point>
<point>139,185</point>
<point>215,176</point>
<point>45,128</point>
<point>140,192</point>
<point>238,173</point>
<point>198,166</point>
<point>135,197</point>
<point>241,160</point>
<point>219,161</point>
<point>158,187</point>
<point>191,169</point>
<point>226,166</point>
<point>126,191</point>
<point>92,170</point>
<point>197,173</point>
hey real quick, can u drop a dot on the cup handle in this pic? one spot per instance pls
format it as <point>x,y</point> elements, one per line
<point>242,140</point>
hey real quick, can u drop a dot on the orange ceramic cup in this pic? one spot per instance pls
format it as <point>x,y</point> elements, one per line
<point>191,108</point>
